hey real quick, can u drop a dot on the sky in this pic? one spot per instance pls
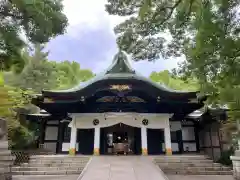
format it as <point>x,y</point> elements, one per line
<point>90,40</point>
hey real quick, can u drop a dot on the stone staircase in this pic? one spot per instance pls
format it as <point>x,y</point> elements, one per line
<point>191,165</point>
<point>52,165</point>
<point>6,161</point>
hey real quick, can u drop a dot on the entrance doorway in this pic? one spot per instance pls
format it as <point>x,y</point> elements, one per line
<point>155,139</point>
<point>85,139</point>
<point>120,139</point>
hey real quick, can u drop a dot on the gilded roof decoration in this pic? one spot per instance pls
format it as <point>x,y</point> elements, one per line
<point>118,99</point>
<point>120,87</point>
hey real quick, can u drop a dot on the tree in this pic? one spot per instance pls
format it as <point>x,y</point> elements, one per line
<point>174,82</point>
<point>70,74</point>
<point>4,99</point>
<point>10,100</point>
<point>38,73</point>
<point>38,20</point>
<point>207,32</point>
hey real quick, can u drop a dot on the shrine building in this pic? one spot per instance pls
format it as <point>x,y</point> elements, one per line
<point>120,111</point>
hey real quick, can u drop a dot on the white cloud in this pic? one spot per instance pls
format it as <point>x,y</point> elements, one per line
<point>91,14</point>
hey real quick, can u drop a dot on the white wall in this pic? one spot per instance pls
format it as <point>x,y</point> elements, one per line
<point>65,147</point>
<point>175,147</point>
<point>189,146</point>
<point>156,121</point>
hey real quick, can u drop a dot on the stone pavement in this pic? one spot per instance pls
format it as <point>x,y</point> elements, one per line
<point>202,177</point>
<point>122,168</point>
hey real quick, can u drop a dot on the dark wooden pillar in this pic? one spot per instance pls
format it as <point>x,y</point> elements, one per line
<point>180,141</point>
<point>220,140</point>
<point>196,132</point>
<point>210,135</point>
<point>42,129</point>
<point>60,137</point>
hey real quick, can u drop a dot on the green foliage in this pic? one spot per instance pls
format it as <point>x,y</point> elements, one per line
<point>70,74</point>
<point>10,100</point>
<point>38,73</point>
<point>35,20</point>
<point>173,82</point>
<point>225,157</point>
<point>4,99</point>
<point>207,32</point>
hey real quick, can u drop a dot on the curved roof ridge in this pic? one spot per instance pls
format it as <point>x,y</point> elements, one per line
<point>120,67</point>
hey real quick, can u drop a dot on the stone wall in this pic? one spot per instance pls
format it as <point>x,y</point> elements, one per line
<point>6,160</point>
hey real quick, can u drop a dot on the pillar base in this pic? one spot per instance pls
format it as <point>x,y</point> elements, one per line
<point>72,151</point>
<point>144,151</point>
<point>96,152</point>
<point>169,152</point>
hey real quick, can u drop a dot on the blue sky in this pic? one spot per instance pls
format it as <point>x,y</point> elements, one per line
<point>90,40</point>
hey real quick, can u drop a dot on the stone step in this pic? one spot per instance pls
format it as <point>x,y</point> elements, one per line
<point>6,163</point>
<point>183,156</point>
<point>59,157</point>
<point>5,176</point>
<point>183,161</point>
<point>188,164</point>
<point>4,145</point>
<point>4,169</point>
<point>5,153</point>
<point>7,158</point>
<point>59,161</point>
<point>185,172</point>
<point>52,164</point>
<point>196,168</point>
<point>46,172</point>
<point>66,168</point>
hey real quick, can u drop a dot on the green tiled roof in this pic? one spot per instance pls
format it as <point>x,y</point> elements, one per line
<point>119,69</point>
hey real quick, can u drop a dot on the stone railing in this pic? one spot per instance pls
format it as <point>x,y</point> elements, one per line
<point>6,160</point>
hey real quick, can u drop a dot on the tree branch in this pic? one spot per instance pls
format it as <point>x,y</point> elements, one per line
<point>171,11</point>
<point>7,14</point>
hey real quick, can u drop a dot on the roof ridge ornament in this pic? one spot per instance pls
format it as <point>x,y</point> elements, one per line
<point>120,64</point>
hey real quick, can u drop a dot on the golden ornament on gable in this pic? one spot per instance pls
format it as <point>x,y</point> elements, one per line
<point>120,87</point>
